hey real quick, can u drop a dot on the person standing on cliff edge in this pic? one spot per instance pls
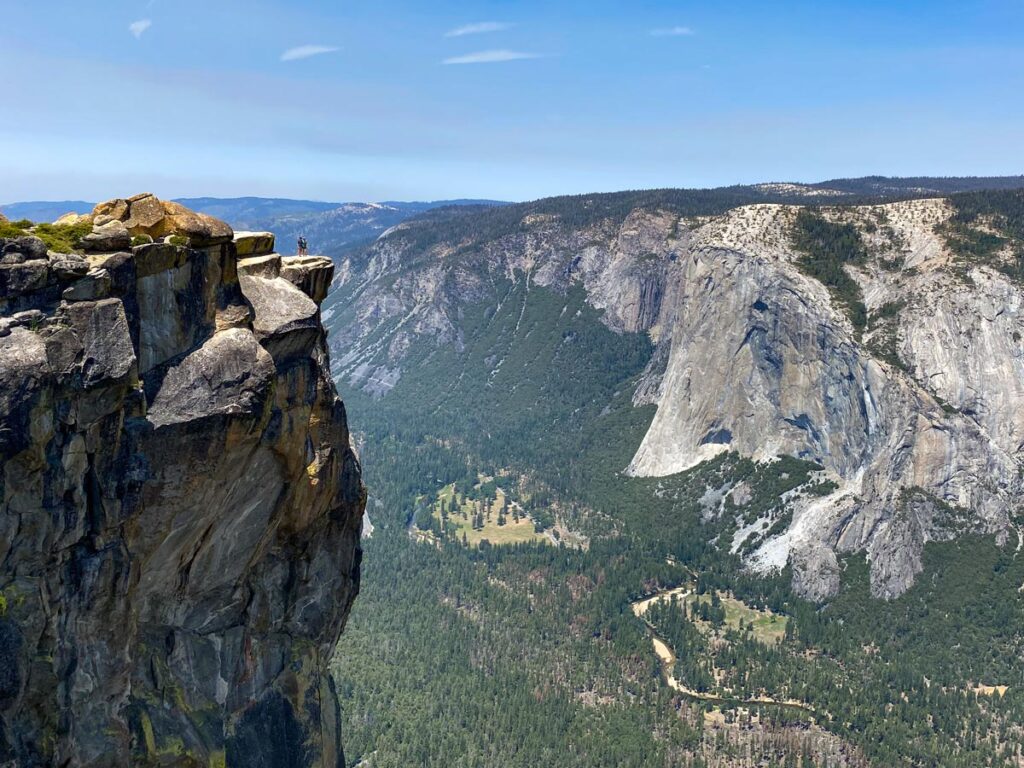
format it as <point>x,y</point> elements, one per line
<point>303,246</point>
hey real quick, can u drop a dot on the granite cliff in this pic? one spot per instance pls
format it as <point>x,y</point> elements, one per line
<point>911,404</point>
<point>179,538</point>
<point>763,361</point>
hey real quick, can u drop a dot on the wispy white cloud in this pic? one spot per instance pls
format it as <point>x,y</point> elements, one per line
<point>140,26</point>
<point>477,29</point>
<point>492,57</point>
<point>673,32</point>
<point>305,51</point>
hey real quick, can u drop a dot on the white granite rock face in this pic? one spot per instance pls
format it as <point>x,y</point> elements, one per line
<point>762,363</point>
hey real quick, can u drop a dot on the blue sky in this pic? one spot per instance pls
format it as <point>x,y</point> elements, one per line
<point>383,99</point>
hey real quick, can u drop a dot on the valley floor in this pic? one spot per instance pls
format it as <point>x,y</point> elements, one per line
<point>675,598</point>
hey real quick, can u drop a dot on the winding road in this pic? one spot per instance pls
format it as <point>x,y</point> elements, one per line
<point>668,659</point>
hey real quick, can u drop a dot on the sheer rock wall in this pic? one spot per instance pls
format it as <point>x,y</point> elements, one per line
<point>179,536</point>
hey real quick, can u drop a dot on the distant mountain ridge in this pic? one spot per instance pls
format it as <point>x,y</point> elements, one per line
<point>328,226</point>
<point>942,185</point>
<point>44,210</point>
<point>332,227</point>
<point>800,398</point>
<point>264,212</point>
<point>251,211</point>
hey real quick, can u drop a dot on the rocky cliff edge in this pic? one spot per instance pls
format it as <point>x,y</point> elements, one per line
<point>181,504</point>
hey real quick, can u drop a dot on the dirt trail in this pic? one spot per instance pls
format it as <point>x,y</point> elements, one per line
<point>640,606</point>
<point>668,660</point>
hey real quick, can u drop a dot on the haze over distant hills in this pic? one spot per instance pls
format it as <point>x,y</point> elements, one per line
<point>332,226</point>
<point>44,210</point>
<point>328,226</point>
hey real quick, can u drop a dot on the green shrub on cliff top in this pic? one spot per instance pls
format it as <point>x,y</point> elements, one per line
<point>988,228</point>
<point>11,229</point>
<point>62,238</point>
<point>827,248</point>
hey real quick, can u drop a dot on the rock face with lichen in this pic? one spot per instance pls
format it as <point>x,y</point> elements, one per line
<point>181,504</point>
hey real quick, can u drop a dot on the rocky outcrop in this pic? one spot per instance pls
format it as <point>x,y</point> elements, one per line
<point>253,243</point>
<point>181,505</point>
<point>145,215</point>
<point>70,219</point>
<point>110,236</point>
<point>311,274</point>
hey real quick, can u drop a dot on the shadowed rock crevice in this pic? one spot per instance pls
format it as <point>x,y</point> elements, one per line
<point>181,502</point>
